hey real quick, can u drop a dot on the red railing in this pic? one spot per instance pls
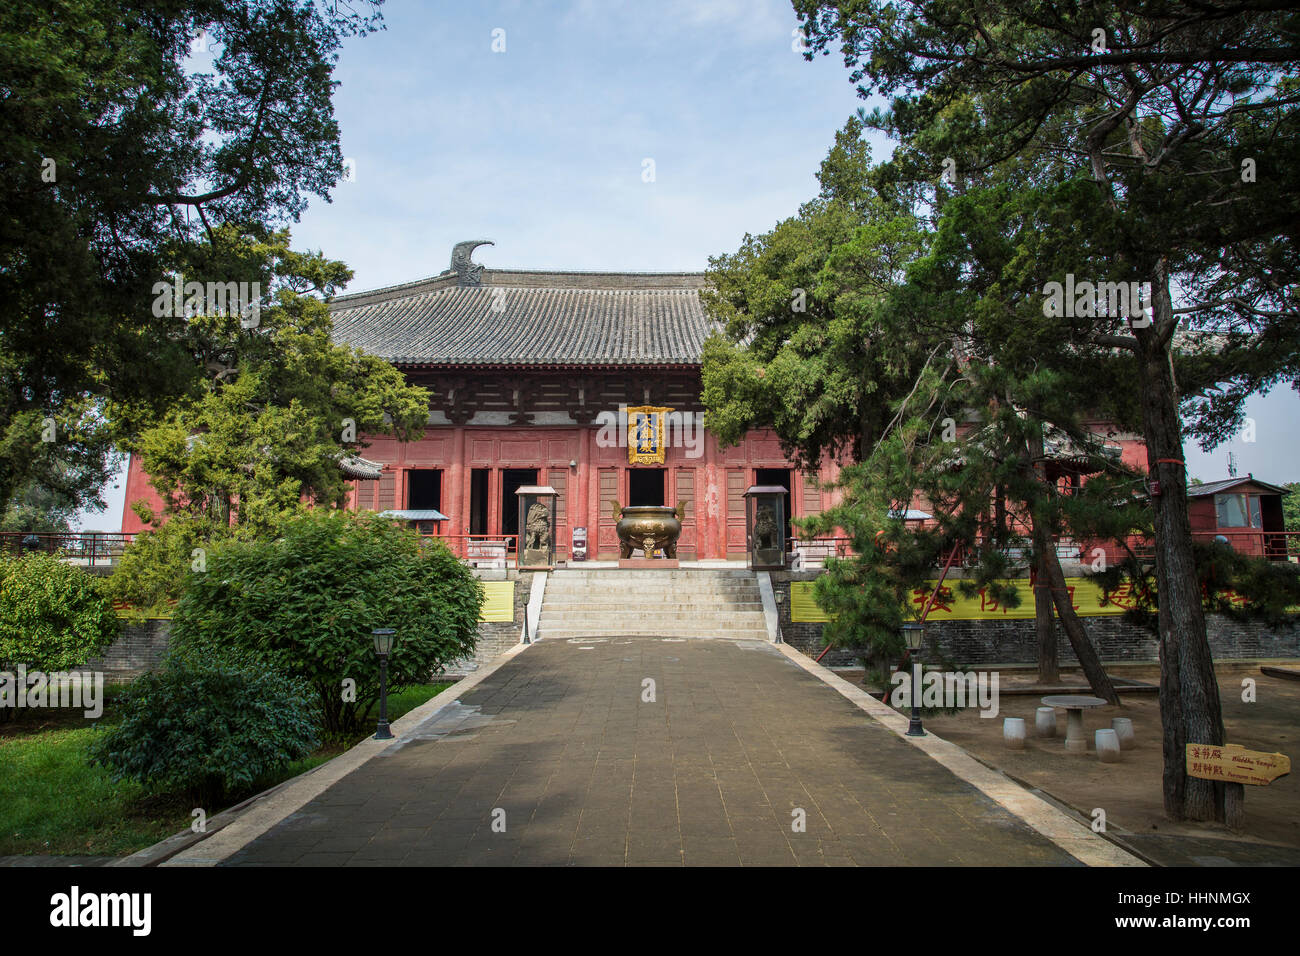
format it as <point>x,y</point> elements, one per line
<point>91,548</point>
<point>1274,545</point>
<point>813,552</point>
<point>482,550</point>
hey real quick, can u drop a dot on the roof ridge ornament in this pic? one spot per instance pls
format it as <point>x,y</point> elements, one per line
<point>468,273</point>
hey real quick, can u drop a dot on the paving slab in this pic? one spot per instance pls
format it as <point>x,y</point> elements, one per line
<point>740,756</point>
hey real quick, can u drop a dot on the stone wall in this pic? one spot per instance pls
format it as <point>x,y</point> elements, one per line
<point>496,637</point>
<point>972,643</point>
<point>142,646</point>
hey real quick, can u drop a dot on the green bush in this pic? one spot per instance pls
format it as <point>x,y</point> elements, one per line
<point>208,727</point>
<point>53,615</point>
<point>152,569</point>
<point>306,603</point>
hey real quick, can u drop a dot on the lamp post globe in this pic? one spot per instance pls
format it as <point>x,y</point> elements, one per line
<point>914,636</point>
<point>384,637</point>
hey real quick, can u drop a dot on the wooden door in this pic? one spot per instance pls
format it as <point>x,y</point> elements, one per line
<point>606,537</point>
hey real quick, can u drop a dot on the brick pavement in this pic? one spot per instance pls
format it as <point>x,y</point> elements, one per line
<point>737,739</point>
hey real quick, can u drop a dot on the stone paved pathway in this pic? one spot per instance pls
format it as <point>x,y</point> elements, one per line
<point>711,772</point>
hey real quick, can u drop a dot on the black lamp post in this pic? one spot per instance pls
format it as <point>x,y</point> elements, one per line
<point>384,637</point>
<point>914,634</point>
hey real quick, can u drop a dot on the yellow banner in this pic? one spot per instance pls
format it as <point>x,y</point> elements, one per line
<point>952,605</point>
<point>498,601</point>
<point>803,609</point>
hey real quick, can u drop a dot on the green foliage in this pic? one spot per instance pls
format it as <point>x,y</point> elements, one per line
<point>55,479</point>
<point>1197,187</point>
<point>118,146</point>
<point>208,726</point>
<point>53,802</point>
<point>53,616</point>
<point>151,573</point>
<point>1291,506</point>
<point>281,403</point>
<point>914,334</point>
<point>306,602</point>
<point>808,345</point>
<point>1240,586</point>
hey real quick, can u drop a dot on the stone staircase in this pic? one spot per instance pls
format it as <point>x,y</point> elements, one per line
<point>686,602</point>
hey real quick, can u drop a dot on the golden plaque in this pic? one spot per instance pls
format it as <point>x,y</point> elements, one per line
<point>645,435</point>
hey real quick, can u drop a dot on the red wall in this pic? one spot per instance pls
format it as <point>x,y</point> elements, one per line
<point>712,484</point>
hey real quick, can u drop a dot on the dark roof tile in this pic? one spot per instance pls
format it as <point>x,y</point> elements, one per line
<point>581,319</point>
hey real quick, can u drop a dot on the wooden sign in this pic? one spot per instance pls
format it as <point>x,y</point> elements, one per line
<point>1235,764</point>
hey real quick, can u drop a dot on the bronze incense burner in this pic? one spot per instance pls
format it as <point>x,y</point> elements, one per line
<point>648,527</point>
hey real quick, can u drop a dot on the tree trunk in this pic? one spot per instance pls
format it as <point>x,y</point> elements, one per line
<point>1049,668</point>
<point>1189,693</point>
<point>1089,660</point>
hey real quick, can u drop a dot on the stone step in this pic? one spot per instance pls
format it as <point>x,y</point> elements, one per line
<point>629,620</point>
<point>610,576</point>
<point>676,608</point>
<point>607,594</point>
<point>694,603</point>
<point>549,634</point>
<point>621,624</point>
<point>573,571</point>
<point>569,590</point>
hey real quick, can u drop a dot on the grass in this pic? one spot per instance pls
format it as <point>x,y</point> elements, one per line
<point>53,802</point>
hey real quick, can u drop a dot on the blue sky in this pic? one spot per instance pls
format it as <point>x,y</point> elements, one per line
<point>541,148</point>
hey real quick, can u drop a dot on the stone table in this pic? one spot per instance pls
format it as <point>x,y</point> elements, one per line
<point>1076,741</point>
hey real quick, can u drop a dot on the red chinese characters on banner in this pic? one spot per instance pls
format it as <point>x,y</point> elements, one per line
<point>1233,598</point>
<point>942,601</point>
<point>1124,596</point>
<point>989,603</point>
<point>1129,597</point>
<point>1070,590</point>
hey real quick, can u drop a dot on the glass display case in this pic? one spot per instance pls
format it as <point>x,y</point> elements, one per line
<point>537,505</point>
<point>765,527</point>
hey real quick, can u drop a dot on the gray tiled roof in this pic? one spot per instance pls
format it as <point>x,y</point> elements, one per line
<point>1212,487</point>
<point>545,318</point>
<point>354,466</point>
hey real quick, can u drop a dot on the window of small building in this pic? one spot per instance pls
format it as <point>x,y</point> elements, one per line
<point>1237,511</point>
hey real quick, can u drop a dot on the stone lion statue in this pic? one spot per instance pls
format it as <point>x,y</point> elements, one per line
<point>537,528</point>
<point>764,529</point>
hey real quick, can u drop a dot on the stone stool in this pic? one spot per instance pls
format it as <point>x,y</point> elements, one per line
<point>1123,727</point>
<point>1013,733</point>
<point>1107,746</point>
<point>1045,722</point>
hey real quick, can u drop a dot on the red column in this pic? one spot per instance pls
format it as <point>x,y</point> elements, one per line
<point>711,507</point>
<point>494,501</point>
<point>580,501</point>
<point>457,501</point>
